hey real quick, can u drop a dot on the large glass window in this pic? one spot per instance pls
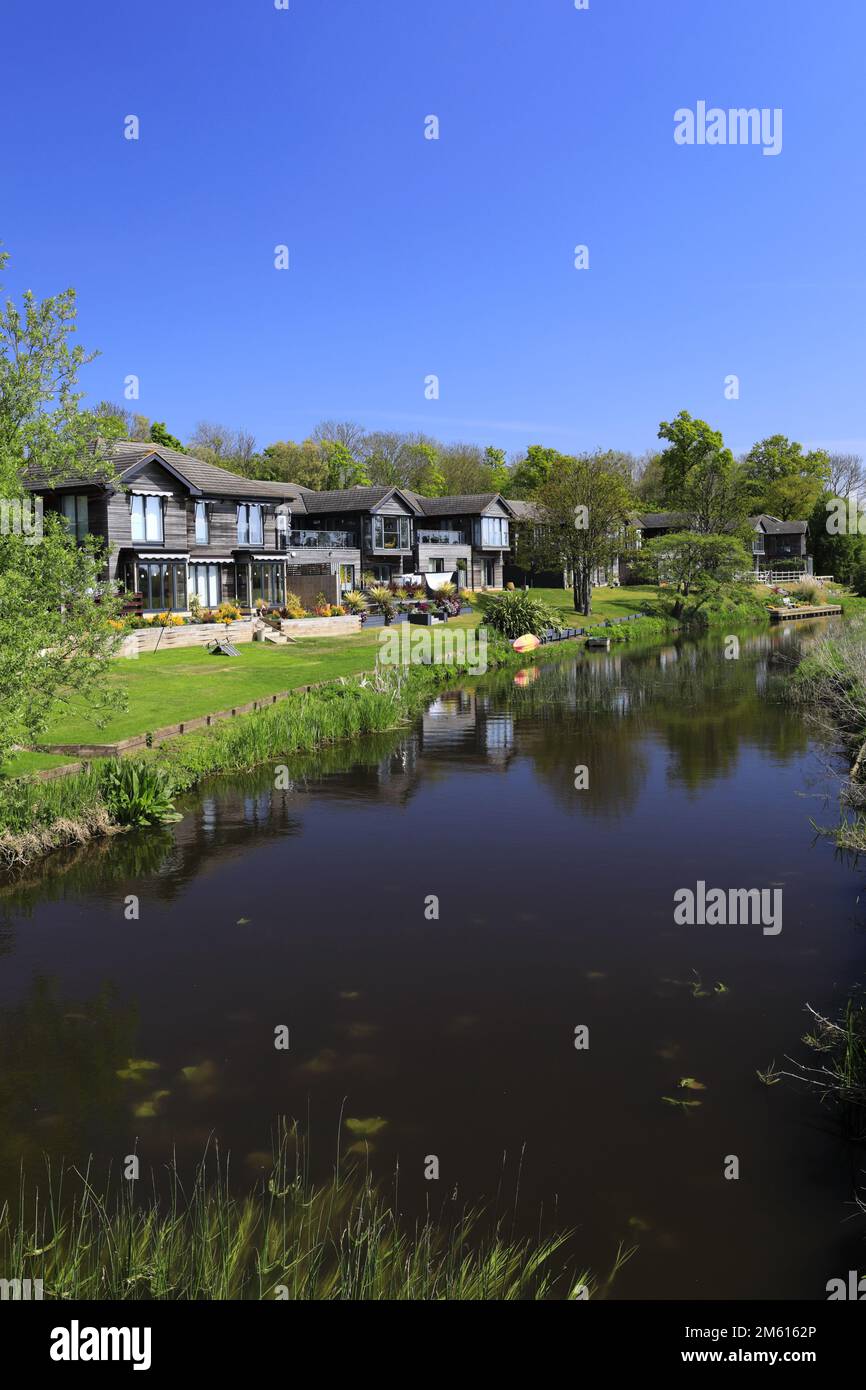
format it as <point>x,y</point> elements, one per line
<point>347,578</point>
<point>205,582</point>
<point>250,523</point>
<point>268,586</point>
<point>146,518</point>
<point>391,533</point>
<point>492,531</point>
<point>73,508</point>
<point>162,585</point>
<point>202,527</point>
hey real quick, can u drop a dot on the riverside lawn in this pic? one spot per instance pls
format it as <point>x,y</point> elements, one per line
<point>165,688</point>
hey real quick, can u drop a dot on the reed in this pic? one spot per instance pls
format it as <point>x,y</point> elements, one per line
<point>287,1239</point>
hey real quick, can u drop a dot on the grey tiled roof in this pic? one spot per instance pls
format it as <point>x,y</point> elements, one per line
<point>207,477</point>
<point>352,499</point>
<point>467,504</point>
<point>523,511</point>
<point>774,527</point>
<point>653,521</point>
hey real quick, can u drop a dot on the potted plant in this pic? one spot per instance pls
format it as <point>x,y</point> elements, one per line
<point>385,601</point>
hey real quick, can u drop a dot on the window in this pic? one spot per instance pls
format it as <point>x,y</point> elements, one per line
<point>205,582</point>
<point>438,565</point>
<point>146,518</point>
<point>489,573</point>
<point>162,586</point>
<point>391,533</point>
<point>202,526</point>
<point>249,523</point>
<point>268,583</point>
<point>758,545</point>
<point>347,578</point>
<point>282,531</point>
<point>73,508</point>
<point>492,531</point>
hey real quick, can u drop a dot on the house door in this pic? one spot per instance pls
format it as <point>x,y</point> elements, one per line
<point>490,573</point>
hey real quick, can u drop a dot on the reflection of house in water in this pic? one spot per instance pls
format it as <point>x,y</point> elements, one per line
<point>466,724</point>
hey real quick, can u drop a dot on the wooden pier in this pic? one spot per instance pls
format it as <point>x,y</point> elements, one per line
<point>825,610</point>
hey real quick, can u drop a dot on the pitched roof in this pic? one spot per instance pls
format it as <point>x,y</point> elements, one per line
<point>523,511</point>
<point>774,527</point>
<point>201,477</point>
<point>654,521</point>
<point>355,499</point>
<point>463,504</point>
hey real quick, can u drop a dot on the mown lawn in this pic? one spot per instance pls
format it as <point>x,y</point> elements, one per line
<point>606,603</point>
<point>167,687</point>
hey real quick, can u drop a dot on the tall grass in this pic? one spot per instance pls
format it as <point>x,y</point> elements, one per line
<point>289,1239</point>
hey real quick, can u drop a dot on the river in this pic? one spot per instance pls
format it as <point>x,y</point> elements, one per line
<point>431,915</point>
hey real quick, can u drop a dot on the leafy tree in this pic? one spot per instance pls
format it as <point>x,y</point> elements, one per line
<point>500,473</point>
<point>649,482</point>
<point>533,471</point>
<point>689,443</point>
<point>343,469</point>
<point>586,507</point>
<point>784,481</point>
<point>287,462</point>
<point>56,636</point>
<point>839,555</point>
<point>714,493</point>
<point>698,567</point>
<point>160,435</point>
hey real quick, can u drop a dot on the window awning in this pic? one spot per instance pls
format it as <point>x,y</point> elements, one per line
<point>279,558</point>
<point>160,555</point>
<point>150,492</point>
<point>211,560</point>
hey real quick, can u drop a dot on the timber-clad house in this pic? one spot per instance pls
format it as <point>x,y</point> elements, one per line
<point>177,526</point>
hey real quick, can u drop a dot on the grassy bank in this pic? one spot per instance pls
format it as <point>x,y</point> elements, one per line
<point>38,816</point>
<point>288,1239</point>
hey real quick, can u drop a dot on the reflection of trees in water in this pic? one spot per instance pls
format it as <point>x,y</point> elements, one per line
<point>59,1089</point>
<point>597,709</point>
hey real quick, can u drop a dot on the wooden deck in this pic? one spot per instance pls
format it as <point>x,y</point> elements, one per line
<point>826,610</point>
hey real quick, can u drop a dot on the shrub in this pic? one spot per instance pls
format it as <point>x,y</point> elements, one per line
<point>383,597</point>
<point>227,613</point>
<point>138,793</point>
<point>293,608</point>
<point>354,601</point>
<point>164,620</point>
<point>338,611</point>
<point>514,613</point>
<point>807,592</point>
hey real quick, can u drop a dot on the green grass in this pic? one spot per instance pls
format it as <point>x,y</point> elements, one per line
<point>27,762</point>
<point>165,688</point>
<point>289,1239</point>
<point>606,603</point>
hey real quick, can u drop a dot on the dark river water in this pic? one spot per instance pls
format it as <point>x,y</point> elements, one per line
<point>305,907</point>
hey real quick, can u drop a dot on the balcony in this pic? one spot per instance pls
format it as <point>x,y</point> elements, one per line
<point>317,540</point>
<point>441,538</point>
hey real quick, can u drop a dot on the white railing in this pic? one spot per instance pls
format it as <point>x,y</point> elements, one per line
<point>784,577</point>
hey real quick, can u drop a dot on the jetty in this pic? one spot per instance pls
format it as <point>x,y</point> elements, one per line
<point>824,610</point>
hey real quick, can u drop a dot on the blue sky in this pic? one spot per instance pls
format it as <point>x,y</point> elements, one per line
<point>411,257</point>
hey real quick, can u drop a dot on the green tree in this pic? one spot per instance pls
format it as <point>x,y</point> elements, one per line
<point>783,480</point>
<point>343,469</point>
<point>586,506</point>
<point>697,567</point>
<point>714,493</point>
<point>837,554</point>
<point>287,462</point>
<point>160,435</point>
<point>533,471</point>
<point>500,473</point>
<point>689,443</point>
<point>56,609</point>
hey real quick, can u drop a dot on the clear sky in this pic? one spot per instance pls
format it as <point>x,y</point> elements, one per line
<point>455,257</point>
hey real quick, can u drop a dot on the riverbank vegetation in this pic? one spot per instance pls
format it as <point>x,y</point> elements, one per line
<point>288,1239</point>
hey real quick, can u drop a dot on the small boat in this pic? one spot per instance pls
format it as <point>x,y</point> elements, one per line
<point>603,643</point>
<point>527,643</point>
